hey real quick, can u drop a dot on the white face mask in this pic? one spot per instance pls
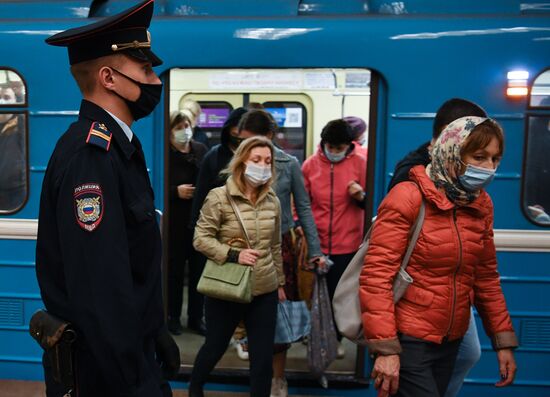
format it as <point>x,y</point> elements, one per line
<point>335,157</point>
<point>183,136</point>
<point>257,175</point>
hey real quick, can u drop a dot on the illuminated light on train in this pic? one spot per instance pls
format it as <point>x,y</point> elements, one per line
<point>517,83</point>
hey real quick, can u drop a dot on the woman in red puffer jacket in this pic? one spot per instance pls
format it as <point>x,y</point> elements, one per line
<point>453,266</point>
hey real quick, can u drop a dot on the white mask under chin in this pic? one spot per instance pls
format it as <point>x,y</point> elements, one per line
<point>257,175</point>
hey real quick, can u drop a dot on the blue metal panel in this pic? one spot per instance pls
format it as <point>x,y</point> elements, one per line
<point>456,7</point>
<point>241,8</point>
<point>44,9</point>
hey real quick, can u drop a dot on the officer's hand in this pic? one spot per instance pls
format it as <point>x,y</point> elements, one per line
<point>248,257</point>
<point>168,354</point>
<point>186,191</point>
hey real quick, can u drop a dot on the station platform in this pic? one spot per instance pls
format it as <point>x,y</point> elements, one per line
<point>17,388</point>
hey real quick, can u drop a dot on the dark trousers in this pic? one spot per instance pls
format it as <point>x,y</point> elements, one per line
<point>426,367</point>
<point>222,318</point>
<point>182,252</point>
<point>335,274</point>
<point>89,381</point>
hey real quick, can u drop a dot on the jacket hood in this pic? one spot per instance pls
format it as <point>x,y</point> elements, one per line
<point>439,198</point>
<point>232,121</point>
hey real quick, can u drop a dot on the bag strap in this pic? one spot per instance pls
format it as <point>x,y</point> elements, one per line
<point>238,214</point>
<point>417,227</point>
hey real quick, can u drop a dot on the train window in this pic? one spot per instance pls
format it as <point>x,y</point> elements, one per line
<point>213,115</point>
<point>536,170</point>
<point>13,161</point>
<point>540,92</point>
<point>12,89</point>
<point>291,118</point>
<point>536,174</point>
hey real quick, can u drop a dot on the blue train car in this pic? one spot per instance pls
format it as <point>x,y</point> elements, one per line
<point>308,61</point>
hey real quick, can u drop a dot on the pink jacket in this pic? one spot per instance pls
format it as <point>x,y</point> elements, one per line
<point>338,216</point>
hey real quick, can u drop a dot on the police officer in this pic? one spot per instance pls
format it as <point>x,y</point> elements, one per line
<point>99,250</point>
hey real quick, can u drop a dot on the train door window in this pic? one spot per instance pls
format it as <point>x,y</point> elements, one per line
<point>291,119</point>
<point>212,117</point>
<point>13,143</point>
<point>536,172</point>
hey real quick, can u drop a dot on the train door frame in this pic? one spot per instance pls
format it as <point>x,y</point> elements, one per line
<point>374,184</point>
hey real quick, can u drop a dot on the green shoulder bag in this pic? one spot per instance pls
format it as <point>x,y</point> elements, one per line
<point>230,281</point>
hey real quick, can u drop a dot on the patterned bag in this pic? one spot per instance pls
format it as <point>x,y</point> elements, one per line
<point>293,322</point>
<point>322,345</point>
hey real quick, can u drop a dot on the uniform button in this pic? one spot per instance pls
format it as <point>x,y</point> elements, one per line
<point>149,214</point>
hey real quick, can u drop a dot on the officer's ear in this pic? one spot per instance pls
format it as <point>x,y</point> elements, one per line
<point>106,76</point>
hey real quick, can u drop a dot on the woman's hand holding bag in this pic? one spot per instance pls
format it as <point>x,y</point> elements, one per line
<point>248,257</point>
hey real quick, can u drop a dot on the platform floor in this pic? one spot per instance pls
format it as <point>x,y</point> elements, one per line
<point>13,388</point>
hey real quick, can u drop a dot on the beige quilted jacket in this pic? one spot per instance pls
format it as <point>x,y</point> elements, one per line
<point>218,224</point>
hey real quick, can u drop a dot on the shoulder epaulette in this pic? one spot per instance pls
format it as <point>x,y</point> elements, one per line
<point>99,135</point>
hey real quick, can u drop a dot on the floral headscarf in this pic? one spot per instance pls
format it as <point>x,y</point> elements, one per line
<point>446,160</point>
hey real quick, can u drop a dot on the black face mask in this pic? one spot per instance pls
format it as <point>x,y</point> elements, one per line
<point>235,141</point>
<point>149,98</point>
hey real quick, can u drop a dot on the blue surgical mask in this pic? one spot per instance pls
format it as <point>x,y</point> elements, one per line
<point>335,157</point>
<point>257,175</point>
<point>476,178</point>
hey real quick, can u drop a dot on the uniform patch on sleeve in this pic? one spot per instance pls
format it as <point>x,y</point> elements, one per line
<point>88,206</point>
<point>99,135</point>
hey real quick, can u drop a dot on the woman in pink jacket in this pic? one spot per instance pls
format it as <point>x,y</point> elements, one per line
<point>334,178</point>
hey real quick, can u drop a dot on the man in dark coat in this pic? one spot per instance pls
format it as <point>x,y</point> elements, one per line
<point>98,249</point>
<point>451,110</point>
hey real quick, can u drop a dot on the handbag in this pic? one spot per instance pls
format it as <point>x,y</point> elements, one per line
<point>56,337</point>
<point>293,322</point>
<point>322,346</point>
<point>346,304</point>
<point>230,281</point>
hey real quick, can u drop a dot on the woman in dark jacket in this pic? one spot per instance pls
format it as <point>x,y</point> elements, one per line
<point>453,265</point>
<point>185,157</point>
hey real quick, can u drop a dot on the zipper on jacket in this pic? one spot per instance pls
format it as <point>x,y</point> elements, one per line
<point>455,274</point>
<point>331,208</point>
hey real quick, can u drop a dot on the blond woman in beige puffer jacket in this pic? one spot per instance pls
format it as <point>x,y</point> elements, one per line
<point>249,186</point>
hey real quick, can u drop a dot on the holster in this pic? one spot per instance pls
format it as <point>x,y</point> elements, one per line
<point>56,337</point>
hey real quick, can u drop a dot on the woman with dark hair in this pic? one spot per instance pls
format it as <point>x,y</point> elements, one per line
<point>334,178</point>
<point>184,159</point>
<point>453,265</point>
<point>249,186</point>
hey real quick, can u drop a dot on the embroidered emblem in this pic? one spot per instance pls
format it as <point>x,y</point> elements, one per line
<point>88,201</point>
<point>99,135</point>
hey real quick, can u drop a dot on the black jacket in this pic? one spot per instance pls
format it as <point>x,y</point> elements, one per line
<point>217,158</point>
<point>184,169</point>
<point>98,256</point>
<point>416,157</point>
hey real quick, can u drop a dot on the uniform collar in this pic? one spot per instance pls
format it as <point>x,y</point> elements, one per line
<point>123,125</point>
<point>93,112</point>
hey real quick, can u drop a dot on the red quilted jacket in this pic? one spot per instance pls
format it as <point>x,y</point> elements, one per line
<point>453,266</point>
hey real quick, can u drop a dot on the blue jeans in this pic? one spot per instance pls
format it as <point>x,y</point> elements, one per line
<point>469,354</point>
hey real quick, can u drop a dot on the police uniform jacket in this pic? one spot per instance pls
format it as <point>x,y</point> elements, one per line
<point>98,255</point>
